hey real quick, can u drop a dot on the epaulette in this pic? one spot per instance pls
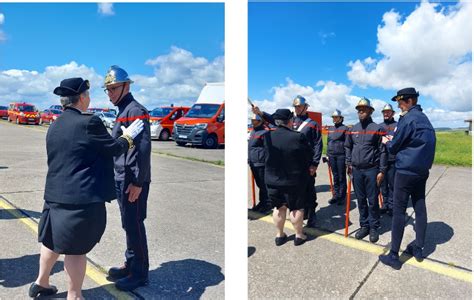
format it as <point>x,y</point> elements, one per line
<point>87,113</point>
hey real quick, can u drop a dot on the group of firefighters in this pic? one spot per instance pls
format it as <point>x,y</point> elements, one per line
<point>284,151</point>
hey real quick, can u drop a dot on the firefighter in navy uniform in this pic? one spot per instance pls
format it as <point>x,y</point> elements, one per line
<point>80,180</point>
<point>366,160</point>
<point>256,161</point>
<point>414,145</point>
<point>132,181</point>
<point>389,124</point>
<point>312,130</point>
<point>337,158</point>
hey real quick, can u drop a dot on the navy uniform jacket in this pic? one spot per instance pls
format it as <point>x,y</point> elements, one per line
<point>256,152</point>
<point>413,143</point>
<point>288,157</point>
<point>312,132</point>
<point>80,159</point>
<point>364,148</point>
<point>336,140</point>
<point>389,127</point>
<point>135,164</point>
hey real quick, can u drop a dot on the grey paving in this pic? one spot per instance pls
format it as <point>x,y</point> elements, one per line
<point>322,269</point>
<point>185,223</point>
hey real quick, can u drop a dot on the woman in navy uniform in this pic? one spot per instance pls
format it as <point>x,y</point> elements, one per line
<point>287,165</point>
<point>414,145</point>
<point>79,182</point>
<point>337,157</point>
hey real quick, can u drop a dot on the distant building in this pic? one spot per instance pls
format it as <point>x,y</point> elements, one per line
<point>469,131</point>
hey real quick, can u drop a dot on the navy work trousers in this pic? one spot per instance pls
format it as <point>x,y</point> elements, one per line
<point>387,185</point>
<point>366,190</point>
<point>133,215</point>
<point>338,168</point>
<point>406,186</point>
<point>259,175</point>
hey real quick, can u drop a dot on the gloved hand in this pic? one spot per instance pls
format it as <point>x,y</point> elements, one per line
<point>349,170</point>
<point>134,129</point>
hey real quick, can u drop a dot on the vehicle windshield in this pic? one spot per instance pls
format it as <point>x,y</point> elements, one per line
<point>202,111</point>
<point>56,111</point>
<point>109,115</point>
<point>27,108</point>
<point>160,112</point>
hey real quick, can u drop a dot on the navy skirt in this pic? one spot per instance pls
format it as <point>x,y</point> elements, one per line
<point>71,229</point>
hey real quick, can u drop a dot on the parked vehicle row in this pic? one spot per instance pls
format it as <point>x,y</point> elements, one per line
<point>203,124</point>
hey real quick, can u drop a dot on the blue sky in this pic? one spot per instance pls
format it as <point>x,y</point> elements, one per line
<point>308,48</point>
<point>170,49</point>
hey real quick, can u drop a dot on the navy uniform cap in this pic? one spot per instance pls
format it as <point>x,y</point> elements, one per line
<point>282,114</point>
<point>405,94</point>
<point>72,87</point>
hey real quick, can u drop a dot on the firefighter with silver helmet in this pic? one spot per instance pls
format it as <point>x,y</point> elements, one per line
<point>336,157</point>
<point>312,131</point>
<point>389,124</point>
<point>132,181</point>
<point>366,160</point>
<point>256,161</point>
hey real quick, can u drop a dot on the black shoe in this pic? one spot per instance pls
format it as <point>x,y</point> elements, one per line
<point>281,240</point>
<point>362,233</point>
<point>416,252</point>
<point>299,241</point>
<point>334,200</point>
<point>36,290</point>
<point>391,260</point>
<point>117,273</point>
<point>258,207</point>
<point>373,235</point>
<point>130,283</point>
<point>341,201</point>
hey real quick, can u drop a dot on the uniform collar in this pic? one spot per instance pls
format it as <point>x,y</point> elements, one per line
<point>302,118</point>
<point>366,121</point>
<point>72,109</point>
<point>338,125</point>
<point>389,121</point>
<point>125,101</point>
<point>258,128</point>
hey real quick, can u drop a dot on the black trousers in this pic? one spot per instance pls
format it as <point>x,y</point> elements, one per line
<point>338,168</point>
<point>366,190</point>
<point>133,215</point>
<point>387,185</point>
<point>311,194</point>
<point>406,186</point>
<point>259,175</point>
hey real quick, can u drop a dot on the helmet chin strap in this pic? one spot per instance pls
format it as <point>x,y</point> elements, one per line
<point>120,97</point>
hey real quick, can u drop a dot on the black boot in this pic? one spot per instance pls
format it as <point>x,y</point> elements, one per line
<point>117,273</point>
<point>130,283</point>
<point>36,290</point>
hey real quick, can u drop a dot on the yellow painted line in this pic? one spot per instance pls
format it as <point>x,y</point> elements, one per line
<point>98,276</point>
<point>351,242</point>
<point>14,212</point>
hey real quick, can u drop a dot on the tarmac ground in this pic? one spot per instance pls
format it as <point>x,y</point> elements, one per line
<point>186,249</point>
<point>331,266</point>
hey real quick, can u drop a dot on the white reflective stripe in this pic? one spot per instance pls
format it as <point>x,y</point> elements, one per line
<point>303,124</point>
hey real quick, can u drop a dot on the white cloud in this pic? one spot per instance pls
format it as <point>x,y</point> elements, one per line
<point>430,50</point>
<point>3,36</point>
<point>106,9</point>
<point>178,79</point>
<point>37,88</point>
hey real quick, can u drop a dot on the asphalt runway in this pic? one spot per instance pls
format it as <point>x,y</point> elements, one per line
<point>185,223</point>
<point>330,266</point>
